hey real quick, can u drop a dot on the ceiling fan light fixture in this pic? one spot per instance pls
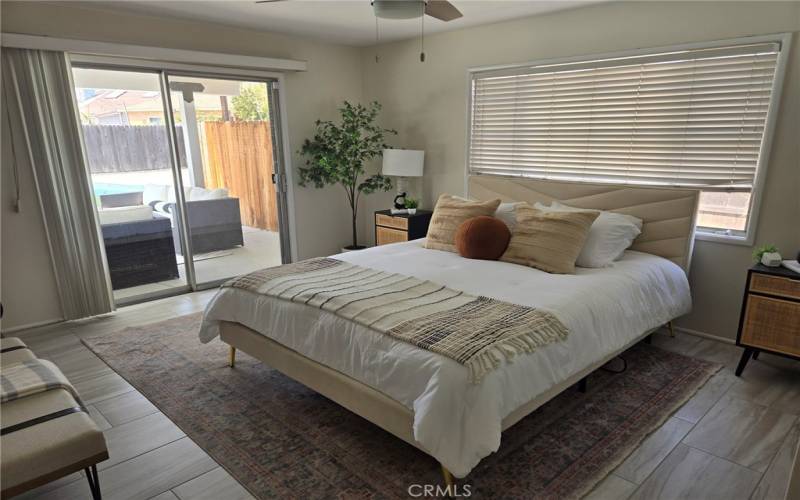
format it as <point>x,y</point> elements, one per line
<point>398,9</point>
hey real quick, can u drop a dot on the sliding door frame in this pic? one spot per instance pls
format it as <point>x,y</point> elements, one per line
<point>281,181</point>
<point>281,151</point>
<point>75,62</point>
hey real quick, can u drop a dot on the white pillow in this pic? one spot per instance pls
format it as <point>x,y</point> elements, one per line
<point>197,194</point>
<point>154,192</point>
<point>507,212</point>
<point>610,235</point>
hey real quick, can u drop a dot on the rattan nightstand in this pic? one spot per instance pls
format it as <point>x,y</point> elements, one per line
<point>400,227</point>
<point>770,317</point>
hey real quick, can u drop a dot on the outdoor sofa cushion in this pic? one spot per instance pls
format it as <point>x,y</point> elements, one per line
<point>119,215</point>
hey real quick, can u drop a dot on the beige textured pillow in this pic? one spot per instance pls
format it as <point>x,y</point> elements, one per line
<point>449,214</point>
<point>550,241</point>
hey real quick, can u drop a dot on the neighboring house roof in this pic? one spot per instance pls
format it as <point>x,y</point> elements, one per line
<point>113,102</point>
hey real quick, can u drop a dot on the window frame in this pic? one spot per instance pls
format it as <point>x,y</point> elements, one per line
<point>759,181</point>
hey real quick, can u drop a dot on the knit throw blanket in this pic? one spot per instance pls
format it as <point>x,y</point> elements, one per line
<point>19,380</point>
<point>477,332</point>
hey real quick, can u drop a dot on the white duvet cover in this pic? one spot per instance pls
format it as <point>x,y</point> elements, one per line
<point>457,422</point>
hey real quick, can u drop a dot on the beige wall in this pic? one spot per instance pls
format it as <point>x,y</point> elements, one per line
<point>334,74</point>
<point>427,104</point>
<point>25,255</point>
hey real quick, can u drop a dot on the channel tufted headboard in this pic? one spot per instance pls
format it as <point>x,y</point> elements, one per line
<point>668,213</point>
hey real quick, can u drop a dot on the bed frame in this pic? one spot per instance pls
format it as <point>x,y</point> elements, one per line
<point>668,231</point>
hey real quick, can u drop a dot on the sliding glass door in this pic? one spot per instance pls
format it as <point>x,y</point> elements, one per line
<point>231,202</point>
<point>187,176</point>
<point>124,126</point>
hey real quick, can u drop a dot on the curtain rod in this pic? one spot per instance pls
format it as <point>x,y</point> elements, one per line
<point>87,47</point>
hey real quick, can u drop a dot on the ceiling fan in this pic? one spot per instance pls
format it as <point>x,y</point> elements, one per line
<point>407,9</point>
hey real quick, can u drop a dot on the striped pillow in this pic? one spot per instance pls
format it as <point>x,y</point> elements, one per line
<point>550,241</point>
<point>449,214</point>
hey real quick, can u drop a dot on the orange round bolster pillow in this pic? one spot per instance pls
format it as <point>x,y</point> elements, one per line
<point>482,237</point>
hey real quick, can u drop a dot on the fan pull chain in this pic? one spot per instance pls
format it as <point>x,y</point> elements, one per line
<point>377,39</point>
<point>422,35</point>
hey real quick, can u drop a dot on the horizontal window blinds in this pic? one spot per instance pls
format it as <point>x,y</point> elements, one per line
<point>690,118</point>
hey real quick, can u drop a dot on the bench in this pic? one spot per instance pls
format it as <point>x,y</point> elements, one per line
<point>46,435</point>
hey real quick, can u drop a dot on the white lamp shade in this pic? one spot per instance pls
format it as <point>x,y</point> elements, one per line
<point>403,162</point>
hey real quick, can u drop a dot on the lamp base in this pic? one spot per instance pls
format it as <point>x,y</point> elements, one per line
<point>402,193</point>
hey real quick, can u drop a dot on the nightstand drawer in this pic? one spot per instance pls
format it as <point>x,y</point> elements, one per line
<point>386,236</point>
<point>772,324</point>
<point>389,221</point>
<point>775,285</point>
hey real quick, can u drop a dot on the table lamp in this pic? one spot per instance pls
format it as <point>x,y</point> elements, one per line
<point>402,163</point>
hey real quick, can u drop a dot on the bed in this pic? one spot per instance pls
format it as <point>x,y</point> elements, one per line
<point>425,398</point>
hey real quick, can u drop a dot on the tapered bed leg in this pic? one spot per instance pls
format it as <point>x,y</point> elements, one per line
<point>232,357</point>
<point>448,477</point>
<point>671,331</point>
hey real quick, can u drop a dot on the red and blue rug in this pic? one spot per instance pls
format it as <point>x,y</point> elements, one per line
<point>282,440</point>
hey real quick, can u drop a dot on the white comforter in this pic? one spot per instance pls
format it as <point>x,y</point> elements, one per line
<point>457,422</point>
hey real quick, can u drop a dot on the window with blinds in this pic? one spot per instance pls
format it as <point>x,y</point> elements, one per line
<point>689,118</point>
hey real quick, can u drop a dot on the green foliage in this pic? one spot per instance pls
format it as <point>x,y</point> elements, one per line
<point>339,151</point>
<point>251,104</point>
<point>758,252</point>
<point>411,203</point>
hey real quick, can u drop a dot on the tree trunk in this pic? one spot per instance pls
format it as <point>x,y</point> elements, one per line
<point>355,233</point>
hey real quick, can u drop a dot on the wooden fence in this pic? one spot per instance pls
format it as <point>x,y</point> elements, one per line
<point>129,148</point>
<point>238,156</point>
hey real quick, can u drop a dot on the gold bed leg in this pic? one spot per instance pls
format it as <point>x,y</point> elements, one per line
<point>671,331</point>
<point>232,356</point>
<point>448,477</point>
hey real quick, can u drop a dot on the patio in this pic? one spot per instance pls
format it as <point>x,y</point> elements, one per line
<point>261,249</point>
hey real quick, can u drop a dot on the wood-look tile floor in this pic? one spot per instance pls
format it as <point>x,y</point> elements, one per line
<point>734,439</point>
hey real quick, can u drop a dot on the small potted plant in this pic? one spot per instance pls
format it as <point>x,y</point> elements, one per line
<point>411,205</point>
<point>758,253</point>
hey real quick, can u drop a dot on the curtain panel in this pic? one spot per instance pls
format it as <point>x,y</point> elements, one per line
<point>44,122</point>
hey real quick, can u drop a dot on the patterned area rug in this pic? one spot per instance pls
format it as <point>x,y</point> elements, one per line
<point>280,439</point>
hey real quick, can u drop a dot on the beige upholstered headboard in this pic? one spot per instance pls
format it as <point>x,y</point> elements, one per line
<point>668,214</point>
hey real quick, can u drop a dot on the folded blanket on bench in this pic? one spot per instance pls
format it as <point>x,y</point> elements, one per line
<point>32,377</point>
<point>474,331</point>
<point>11,344</point>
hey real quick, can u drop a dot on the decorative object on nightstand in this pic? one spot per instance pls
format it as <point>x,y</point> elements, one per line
<point>770,317</point>
<point>394,228</point>
<point>402,163</point>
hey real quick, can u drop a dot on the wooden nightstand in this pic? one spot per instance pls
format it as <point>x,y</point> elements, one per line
<point>770,317</point>
<point>400,227</point>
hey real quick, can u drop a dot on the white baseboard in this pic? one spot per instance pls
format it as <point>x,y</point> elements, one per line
<point>32,325</point>
<point>705,335</point>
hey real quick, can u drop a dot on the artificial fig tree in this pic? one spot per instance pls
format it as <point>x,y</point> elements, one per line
<point>339,152</point>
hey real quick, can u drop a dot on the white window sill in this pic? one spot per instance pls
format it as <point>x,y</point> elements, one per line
<point>704,235</point>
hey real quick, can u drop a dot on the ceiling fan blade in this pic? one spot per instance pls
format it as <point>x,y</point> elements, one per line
<point>442,10</point>
<point>269,1</point>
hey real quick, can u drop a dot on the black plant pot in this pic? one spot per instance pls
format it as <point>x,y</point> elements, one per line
<point>351,248</point>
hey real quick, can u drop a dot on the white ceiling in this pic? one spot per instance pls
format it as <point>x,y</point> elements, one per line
<point>349,22</point>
